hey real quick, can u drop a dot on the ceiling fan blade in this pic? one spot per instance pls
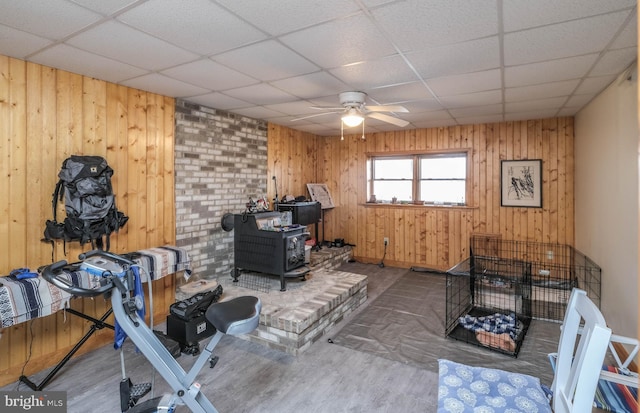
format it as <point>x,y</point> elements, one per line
<point>389,119</point>
<point>313,116</point>
<point>387,108</point>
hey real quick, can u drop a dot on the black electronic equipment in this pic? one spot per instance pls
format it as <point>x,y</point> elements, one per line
<point>303,213</point>
<point>187,323</point>
<point>196,305</point>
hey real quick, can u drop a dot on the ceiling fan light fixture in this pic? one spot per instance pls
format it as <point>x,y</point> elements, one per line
<point>352,118</point>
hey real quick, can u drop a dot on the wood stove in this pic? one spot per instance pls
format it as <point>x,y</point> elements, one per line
<point>262,245</point>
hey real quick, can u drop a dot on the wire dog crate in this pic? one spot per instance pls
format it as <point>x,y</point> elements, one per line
<point>493,295</point>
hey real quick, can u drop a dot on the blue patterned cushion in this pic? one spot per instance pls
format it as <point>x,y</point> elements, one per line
<point>466,389</point>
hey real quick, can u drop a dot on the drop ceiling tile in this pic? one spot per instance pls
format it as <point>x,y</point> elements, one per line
<point>629,35</point>
<point>257,112</point>
<point>472,99</point>
<point>468,83</point>
<point>196,25</point>
<point>219,101</point>
<point>53,19</point>
<point>532,105</point>
<point>105,7</point>
<point>594,84</point>
<point>566,111</point>
<point>208,74</point>
<point>283,16</point>
<point>375,73</point>
<point>524,14</point>
<point>419,24</point>
<point>439,123</point>
<point>573,38</point>
<point>479,110</point>
<point>474,120</point>
<point>424,105</point>
<point>296,108</point>
<point>16,43</point>
<point>551,71</point>
<point>78,61</point>
<point>268,60</point>
<point>163,85</point>
<point>260,94</point>
<point>311,85</point>
<point>404,92</point>
<point>122,43</point>
<point>546,90</point>
<point>472,56</point>
<point>433,115</point>
<point>536,114</point>
<point>340,42</point>
<point>612,61</point>
<point>579,100</point>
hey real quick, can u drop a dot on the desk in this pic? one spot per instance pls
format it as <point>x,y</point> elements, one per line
<point>23,300</point>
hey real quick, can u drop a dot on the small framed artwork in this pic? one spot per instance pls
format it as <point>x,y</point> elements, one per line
<point>521,183</point>
<point>320,193</point>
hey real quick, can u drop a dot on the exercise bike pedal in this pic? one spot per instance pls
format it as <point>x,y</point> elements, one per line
<point>213,361</point>
<point>138,391</point>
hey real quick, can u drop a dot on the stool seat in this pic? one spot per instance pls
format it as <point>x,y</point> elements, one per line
<point>236,316</point>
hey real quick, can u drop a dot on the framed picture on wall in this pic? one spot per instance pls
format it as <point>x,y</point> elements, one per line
<point>320,193</point>
<point>521,183</point>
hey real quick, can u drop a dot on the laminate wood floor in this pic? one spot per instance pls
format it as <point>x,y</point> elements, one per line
<point>253,378</point>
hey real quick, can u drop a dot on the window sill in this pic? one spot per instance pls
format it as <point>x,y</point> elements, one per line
<point>400,205</point>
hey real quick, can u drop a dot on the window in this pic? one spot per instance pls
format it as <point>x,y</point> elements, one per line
<point>431,178</point>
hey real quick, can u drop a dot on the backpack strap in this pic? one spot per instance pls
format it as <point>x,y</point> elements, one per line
<point>57,193</point>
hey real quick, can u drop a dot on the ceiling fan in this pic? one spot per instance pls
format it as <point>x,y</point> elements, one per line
<point>354,110</point>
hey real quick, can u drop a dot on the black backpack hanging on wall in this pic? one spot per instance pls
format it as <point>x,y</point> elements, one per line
<point>85,187</point>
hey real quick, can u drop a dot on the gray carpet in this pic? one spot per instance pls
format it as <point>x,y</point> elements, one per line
<point>406,323</point>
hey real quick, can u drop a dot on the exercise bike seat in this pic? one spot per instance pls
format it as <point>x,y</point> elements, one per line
<point>237,316</point>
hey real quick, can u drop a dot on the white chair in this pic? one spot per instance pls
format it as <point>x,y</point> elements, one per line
<point>465,389</point>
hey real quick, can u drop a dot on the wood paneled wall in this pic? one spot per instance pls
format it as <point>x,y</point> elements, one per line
<point>47,115</point>
<point>292,159</point>
<point>438,237</point>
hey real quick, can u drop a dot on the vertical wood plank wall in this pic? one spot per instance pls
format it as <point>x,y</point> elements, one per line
<point>47,115</point>
<point>291,158</point>
<point>438,237</point>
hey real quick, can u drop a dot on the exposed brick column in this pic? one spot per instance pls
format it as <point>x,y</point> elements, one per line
<point>221,161</point>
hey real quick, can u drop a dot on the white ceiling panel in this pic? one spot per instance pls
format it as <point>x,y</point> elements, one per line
<point>612,61</point>
<point>79,61</point>
<point>208,74</point>
<point>525,14</point>
<point>276,61</point>
<point>19,44</point>
<point>260,94</point>
<point>420,24</point>
<point>53,19</point>
<point>311,85</point>
<point>219,100</point>
<point>550,71</point>
<point>472,99</point>
<point>448,62</point>
<point>284,16</point>
<point>375,73</point>
<point>546,90</point>
<point>466,57</point>
<point>593,85</point>
<point>105,7</point>
<point>340,42</point>
<point>196,25</point>
<point>164,85</point>
<point>468,83</point>
<point>574,38</point>
<point>122,43</point>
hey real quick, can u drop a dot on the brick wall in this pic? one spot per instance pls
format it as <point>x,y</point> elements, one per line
<point>220,161</point>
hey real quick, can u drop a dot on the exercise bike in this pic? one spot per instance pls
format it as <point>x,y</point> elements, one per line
<point>116,277</point>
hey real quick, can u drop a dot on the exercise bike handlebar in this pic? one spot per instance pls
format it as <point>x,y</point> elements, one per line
<point>53,274</point>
